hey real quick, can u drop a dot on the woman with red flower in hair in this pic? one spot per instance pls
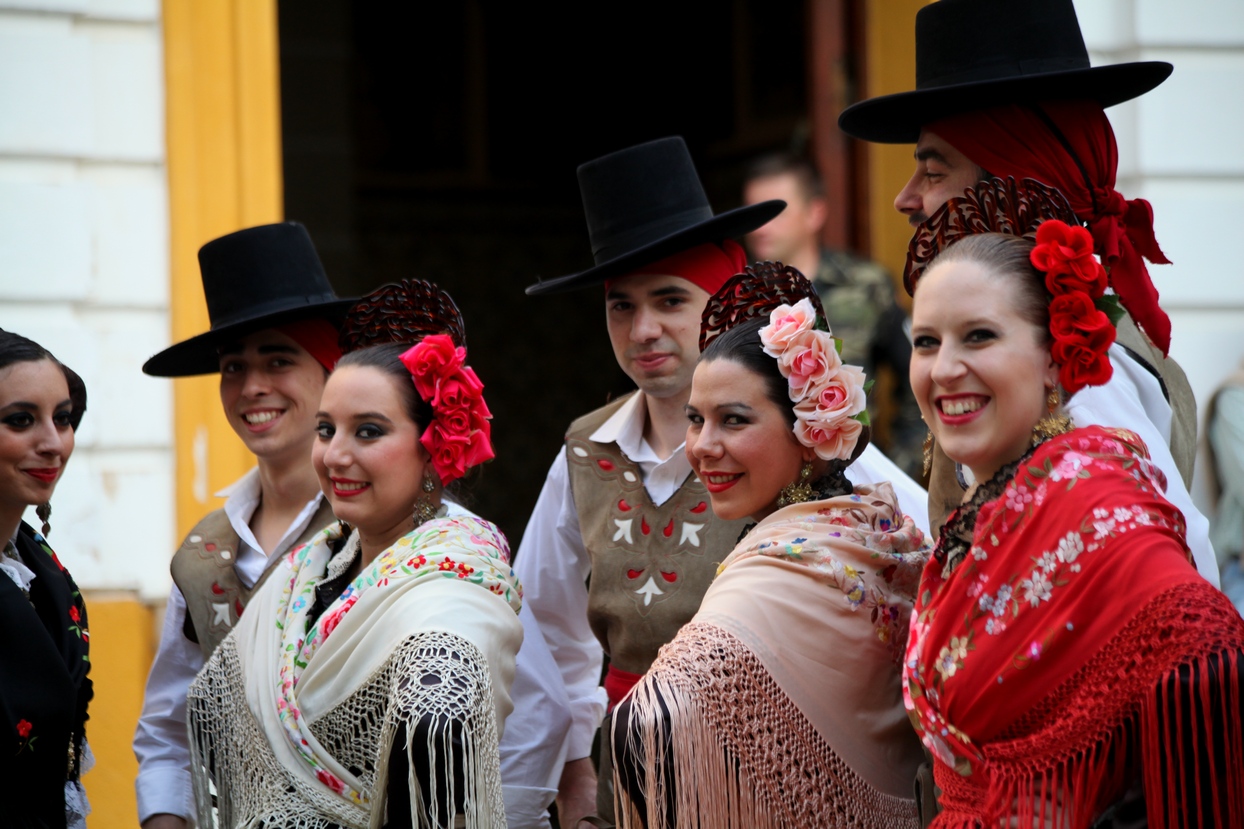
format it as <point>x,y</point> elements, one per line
<point>369,678</point>
<point>1067,666</point>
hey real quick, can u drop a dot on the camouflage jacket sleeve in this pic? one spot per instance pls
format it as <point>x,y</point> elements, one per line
<point>858,296</point>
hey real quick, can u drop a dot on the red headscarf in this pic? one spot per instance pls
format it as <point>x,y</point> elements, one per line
<point>318,337</point>
<point>1070,146</point>
<point>707,266</point>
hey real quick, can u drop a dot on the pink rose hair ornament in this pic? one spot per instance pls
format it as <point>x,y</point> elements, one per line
<point>831,417</point>
<point>418,312</point>
<point>829,396</point>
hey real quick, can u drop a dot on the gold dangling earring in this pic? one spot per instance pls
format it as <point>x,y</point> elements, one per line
<point>425,510</point>
<point>798,491</point>
<point>928,452</point>
<point>44,511</point>
<point>1051,425</point>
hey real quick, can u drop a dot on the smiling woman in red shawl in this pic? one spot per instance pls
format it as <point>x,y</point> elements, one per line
<point>779,704</point>
<point>1067,666</point>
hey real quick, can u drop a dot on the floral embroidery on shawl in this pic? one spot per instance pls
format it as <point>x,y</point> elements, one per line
<point>1019,588</point>
<point>461,548</point>
<point>874,560</point>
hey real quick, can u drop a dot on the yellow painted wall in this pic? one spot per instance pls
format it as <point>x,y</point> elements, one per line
<point>224,173</point>
<point>890,43</point>
<point>123,642</point>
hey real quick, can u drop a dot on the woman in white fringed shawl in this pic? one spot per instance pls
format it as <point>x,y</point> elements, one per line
<point>779,704</point>
<point>368,681</point>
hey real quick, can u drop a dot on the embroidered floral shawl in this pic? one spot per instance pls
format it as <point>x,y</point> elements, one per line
<point>434,580</point>
<point>1035,670</point>
<point>783,692</point>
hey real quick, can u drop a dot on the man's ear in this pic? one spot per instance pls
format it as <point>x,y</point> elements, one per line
<point>818,212</point>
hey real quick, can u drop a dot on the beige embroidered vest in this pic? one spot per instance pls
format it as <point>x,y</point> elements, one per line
<point>203,570</point>
<point>945,493</point>
<point>651,565</point>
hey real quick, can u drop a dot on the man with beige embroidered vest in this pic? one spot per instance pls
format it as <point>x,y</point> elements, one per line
<point>1007,88</point>
<point>273,339</point>
<point>620,502</point>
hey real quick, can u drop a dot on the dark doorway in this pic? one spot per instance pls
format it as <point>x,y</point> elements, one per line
<point>440,141</point>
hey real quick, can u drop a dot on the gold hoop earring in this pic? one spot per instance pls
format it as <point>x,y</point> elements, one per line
<point>425,509</point>
<point>797,491</point>
<point>1051,425</point>
<point>44,511</point>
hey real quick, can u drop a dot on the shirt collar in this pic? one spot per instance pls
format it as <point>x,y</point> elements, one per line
<point>625,429</point>
<point>242,499</point>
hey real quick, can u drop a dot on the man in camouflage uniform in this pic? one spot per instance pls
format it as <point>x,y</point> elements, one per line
<point>858,294</point>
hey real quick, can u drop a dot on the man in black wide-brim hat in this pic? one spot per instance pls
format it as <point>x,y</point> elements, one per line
<point>1006,87</point>
<point>620,501</point>
<point>273,339</point>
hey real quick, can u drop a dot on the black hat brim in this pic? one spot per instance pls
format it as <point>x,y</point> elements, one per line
<point>200,354</point>
<point>727,225</point>
<point>898,118</point>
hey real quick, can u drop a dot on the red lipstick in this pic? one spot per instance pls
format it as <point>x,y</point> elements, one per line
<point>352,491</point>
<point>719,487</point>
<point>960,419</point>
<point>45,475</point>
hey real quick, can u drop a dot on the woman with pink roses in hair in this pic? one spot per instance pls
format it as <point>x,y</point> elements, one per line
<point>367,683</point>
<point>779,704</point>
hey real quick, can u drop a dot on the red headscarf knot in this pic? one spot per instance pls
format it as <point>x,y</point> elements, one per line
<point>1070,146</point>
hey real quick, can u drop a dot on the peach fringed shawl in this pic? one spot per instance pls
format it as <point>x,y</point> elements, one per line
<point>789,674</point>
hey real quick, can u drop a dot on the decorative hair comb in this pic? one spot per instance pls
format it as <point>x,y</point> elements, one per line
<point>993,206</point>
<point>754,293</point>
<point>404,312</point>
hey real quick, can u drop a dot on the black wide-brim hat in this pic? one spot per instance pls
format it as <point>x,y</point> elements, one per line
<point>256,278</point>
<point>645,203</point>
<point>977,54</point>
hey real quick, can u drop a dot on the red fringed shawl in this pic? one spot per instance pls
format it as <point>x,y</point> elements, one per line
<point>1074,650</point>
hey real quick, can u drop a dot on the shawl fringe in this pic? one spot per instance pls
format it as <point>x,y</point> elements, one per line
<point>433,673</point>
<point>743,755</point>
<point>1161,702</point>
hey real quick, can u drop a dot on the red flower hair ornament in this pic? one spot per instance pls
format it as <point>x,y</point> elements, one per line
<point>459,436</point>
<point>1082,316</point>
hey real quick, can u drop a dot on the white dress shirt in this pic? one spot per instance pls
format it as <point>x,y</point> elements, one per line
<point>553,564</point>
<point>1133,400</point>
<point>531,750</point>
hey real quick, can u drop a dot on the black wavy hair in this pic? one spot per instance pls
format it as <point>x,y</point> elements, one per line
<point>14,348</point>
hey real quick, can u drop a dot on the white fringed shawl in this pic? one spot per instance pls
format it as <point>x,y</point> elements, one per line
<point>294,728</point>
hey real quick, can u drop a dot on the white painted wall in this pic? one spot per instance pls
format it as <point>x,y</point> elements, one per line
<point>1181,148</point>
<point>84,264</point>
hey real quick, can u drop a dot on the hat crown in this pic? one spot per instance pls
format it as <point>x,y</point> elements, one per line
<point>260,271</point>
<point>639,195</point>
<point>961,41</point>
